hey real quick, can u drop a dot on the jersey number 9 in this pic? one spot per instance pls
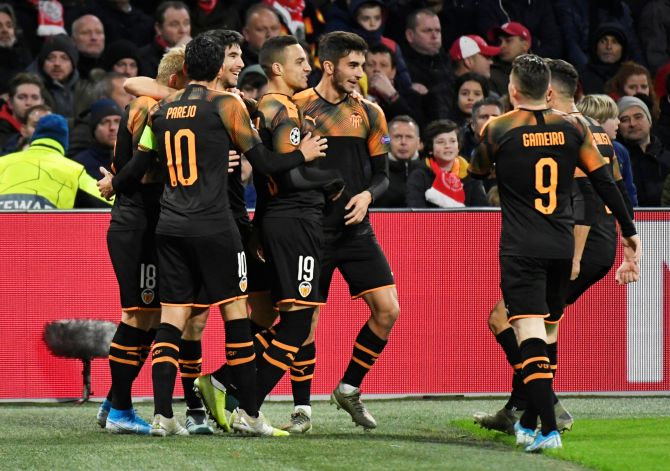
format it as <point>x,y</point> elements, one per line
<point>548,206</point>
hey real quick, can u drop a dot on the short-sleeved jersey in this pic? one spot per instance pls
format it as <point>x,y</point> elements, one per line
<point>535,153</point>
<point>132,209</point>
<point>281,126</point>
<point>357,132</point>
<point>193,131</point>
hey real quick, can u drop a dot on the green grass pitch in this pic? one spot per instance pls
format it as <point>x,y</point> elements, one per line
<point>619,433</point>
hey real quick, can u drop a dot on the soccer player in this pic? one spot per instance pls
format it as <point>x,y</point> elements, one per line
<point>357,146</point>
<point>535,151</point>
<point>192,132</point>
<point>595,248</point>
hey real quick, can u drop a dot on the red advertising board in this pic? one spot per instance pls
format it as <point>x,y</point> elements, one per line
<point>55,266</point>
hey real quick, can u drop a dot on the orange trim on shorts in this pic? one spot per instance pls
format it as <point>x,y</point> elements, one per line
<point>190,375</point>
<point>124,348</point>
<point>240,345</point>
<point>533,360</point>
<point>230,300</point>
<point>554,322</point>
<point>303,363</point>
<point>300,302</point>
<point>516,317</point>
<point>363,364</point>
<point>241,361</point>
<point>190,362</point>
<point>166,344</point>
<point>371,290</point>
<point>201,305</point>
<point>165,359</point>
<point>366,350</point>
<point>262,340</point>
<point>301,378</point>
<point>125,362</point>
<point>274,362</point>
<point>283,346</point>
<point>177,305</point>
<point>148,310</point>
<point>535,376</point>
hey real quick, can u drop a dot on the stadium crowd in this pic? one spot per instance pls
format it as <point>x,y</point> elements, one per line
<point>437,69</point>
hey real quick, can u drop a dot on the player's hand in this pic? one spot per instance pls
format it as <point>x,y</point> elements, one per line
<point>233,160</point>
<point>255,246</point>
<point>105,184</point>
<point>628,272</point>
<point>313,147</point>
<point>576,266</point>
<point>358,208</point>
<point>632,248</point>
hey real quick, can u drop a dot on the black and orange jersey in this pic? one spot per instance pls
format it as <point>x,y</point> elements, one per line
<point>235,186</point>
<point>280,125</point>
<point>192,132</point>
<point>140,203</point>
<point>535,153</point>
<point>357,134</point>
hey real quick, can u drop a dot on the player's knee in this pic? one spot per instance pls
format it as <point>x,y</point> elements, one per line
<point>195,326</point>
<point>387,314</point>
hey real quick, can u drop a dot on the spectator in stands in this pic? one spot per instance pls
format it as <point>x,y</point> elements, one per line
<point>482,110</point>
<point>536,15</point>
<point>42,177</point>
<point>262,23</point>
<point>403,159</point>
<point>609,49</point>
<point>122,21</point>
<point>603,109</point>
<point>14,55</point>
<point>21,141</point>
<point>253,82</point>
<point>380,68</point>
<point>649,159</point>
<point>25,90</point>
<point>428,65</point>
<point>630,80</point>
<point>121,57</point>
<point>515,40</point>
<point>57,66</point>
<point>471,54</point>
<point>578,19</point>
<point>105,119</point>
<point>442,181</point>
<point>210,14</point>
<point>470,88</point>
<point>662,126</point>
<point>654,31</point>
<point>173,28</point>
<point>88,36</point>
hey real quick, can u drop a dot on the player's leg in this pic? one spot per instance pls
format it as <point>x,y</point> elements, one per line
<point>365,268</point>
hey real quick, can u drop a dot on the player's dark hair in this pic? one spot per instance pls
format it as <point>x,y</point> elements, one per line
<point>338,44</point>
<point>531,76</point>
<point>227,37</point>
<point>437,127</point>
<point>380,48</point>
<point>489,100</point>
<point>204,57</point>
<point>272,51</point>
<point>564,75</point>
<point>162,8</point>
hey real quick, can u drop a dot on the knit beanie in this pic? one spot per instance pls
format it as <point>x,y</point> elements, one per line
<point>59,42</point>
<point>52,126</point>
<point>101,109</point>
<point>628,101</point>
<point>118,50</point>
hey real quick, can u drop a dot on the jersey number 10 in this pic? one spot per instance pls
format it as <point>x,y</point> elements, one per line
<point>175,164</point>
<point>548,206</point>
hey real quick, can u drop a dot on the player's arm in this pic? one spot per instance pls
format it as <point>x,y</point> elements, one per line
<point>481,163</point>
<point>584,210</point>
<point>146,86</point>
<point>88,195</point>
<point>621,185</point>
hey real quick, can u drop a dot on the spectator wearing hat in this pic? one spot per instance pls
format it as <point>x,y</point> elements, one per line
<point>649,159</point>
<point>515,40</point>
<point>471,54</point>
<point>173,27</point>
<point>121,56</point>
<point>608,50</point>
<point>88,36</point>
<point>536,15</point>
<point>56,64</point>
<point>41,177</point>
<point>14,55</point>
<point>428,64</point>
<point>104,126</point>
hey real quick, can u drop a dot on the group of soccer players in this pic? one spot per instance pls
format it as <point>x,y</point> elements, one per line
<point>310,220</point>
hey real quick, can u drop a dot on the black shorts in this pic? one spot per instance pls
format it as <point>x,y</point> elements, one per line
<point>133,255</point>
<point>257,271</point>
<point>360,260</point>
<point>293,258</point>
<point>202,270</point>
<point>534,287</point>
<point>589,275</point>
